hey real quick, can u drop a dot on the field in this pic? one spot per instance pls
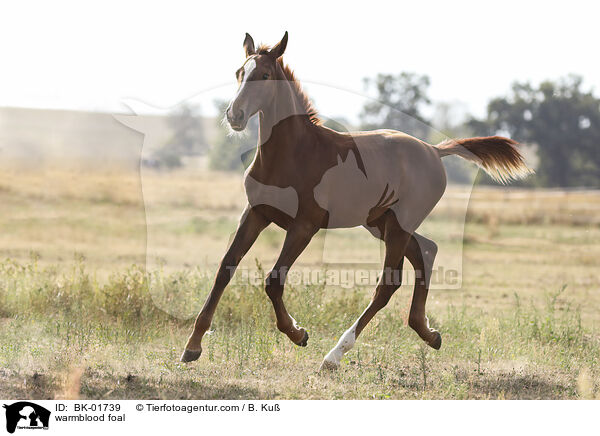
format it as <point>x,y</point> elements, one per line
<point>83,315</point>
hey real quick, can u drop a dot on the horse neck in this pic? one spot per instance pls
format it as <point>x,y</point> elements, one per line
<point>286,103</point>
<point>282,129</point>
<point>276,143</point>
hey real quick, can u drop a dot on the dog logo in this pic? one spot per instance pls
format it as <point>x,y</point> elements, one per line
<point>26,415</point>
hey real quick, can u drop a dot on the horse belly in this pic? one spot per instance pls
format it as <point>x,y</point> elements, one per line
<point>349,196</point>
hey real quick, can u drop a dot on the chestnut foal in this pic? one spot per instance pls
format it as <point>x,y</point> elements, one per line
<point>306,177</point>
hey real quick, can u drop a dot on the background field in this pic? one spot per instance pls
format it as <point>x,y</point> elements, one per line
<point>77,318</point>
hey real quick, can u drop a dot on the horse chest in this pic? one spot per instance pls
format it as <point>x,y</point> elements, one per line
<point>283,199</point>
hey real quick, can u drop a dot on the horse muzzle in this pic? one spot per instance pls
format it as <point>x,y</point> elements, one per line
<point>236,119</point>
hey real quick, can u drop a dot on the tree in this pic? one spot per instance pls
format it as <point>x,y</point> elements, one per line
<point>561,119</point>
<point>449,122</point>
<point>187,137</point>
<point>188,134</point>
<point>399,102</point>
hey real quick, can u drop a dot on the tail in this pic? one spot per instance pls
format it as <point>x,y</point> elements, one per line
<point>498,156</point>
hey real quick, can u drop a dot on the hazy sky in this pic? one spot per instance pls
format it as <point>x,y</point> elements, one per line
<point>75,56</point>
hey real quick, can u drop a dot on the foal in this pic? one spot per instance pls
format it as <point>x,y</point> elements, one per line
<point>306,177</point>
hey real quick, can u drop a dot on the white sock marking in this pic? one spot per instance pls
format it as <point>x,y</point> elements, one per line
<point>345,344</point>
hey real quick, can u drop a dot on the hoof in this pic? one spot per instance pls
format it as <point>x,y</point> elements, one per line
<point>190,356</point>
<point>304,340</point>
<point>329,365</point>
<point>437,342</point>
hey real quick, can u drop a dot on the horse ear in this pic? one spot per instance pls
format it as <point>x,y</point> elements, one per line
<point>249,45</point>
<point>279,49</point>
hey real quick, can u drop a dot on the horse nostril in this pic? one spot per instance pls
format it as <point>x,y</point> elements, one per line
<point>233,116</point>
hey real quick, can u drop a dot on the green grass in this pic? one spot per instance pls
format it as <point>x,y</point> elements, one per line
<point>80,316</point>
<point>55,325</point>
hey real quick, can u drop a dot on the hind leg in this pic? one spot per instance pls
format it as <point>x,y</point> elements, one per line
<point>396,240</point>
<point>421,254</point>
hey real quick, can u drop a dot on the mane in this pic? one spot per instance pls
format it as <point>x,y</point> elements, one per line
<point>304,99</point>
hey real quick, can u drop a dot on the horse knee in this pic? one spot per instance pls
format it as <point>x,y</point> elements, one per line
<point>274,285</point>
<point>274,291</point>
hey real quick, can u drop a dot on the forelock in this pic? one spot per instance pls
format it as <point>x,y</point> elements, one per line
<point>263,49</point>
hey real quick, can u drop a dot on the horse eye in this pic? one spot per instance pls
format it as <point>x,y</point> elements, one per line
<point>265,76</point>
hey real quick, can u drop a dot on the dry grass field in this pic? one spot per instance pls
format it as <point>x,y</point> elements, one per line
<point>80,313</point>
